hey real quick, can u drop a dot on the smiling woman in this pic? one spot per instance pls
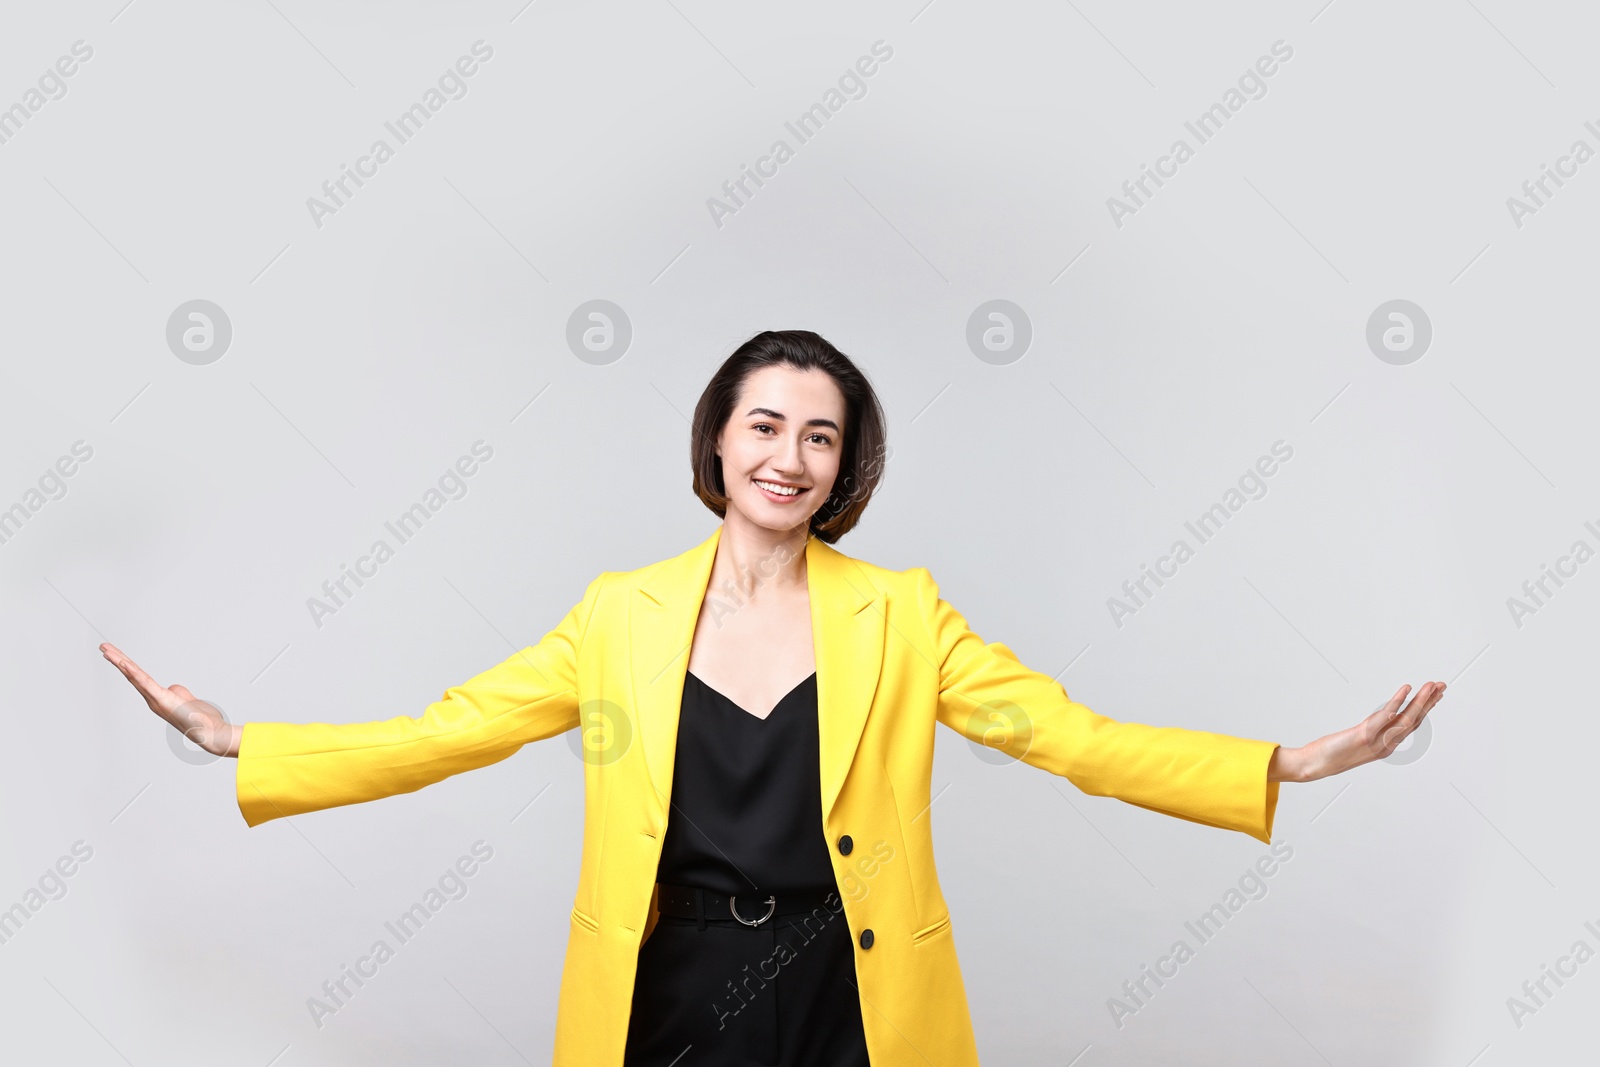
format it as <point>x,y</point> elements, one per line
<point>731,793</point>
<point>800,365</point>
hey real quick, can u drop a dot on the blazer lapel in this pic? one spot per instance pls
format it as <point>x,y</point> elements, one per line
<point>661,622</point>
<point>847,626</point>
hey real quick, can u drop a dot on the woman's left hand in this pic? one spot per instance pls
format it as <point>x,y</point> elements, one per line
<point>1372,738</point>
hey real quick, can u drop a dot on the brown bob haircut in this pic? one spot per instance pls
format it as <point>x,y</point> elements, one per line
<point>864,452</point>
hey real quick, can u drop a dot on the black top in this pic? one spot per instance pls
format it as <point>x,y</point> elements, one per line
<point>746,818</point>
<point>746,813</point>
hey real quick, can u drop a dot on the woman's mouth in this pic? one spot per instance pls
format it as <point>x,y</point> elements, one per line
<point>778,494</point>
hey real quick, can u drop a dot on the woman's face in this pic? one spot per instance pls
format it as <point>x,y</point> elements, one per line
<point>786,433</point>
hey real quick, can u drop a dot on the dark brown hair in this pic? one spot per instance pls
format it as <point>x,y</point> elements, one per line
<point>864,440</point>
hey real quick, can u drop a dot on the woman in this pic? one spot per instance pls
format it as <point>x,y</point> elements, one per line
<point>757,882</point>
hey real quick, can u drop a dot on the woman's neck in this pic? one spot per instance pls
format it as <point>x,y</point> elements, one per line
<point>753,557</point>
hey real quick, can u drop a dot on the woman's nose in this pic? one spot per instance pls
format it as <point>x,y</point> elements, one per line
<point>788,457</point>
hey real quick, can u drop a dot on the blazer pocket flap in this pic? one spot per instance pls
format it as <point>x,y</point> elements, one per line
<point>585,921</point>
<point>931,931</point>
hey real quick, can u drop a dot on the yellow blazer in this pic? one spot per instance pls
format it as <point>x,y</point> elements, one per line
<point>892,658</point>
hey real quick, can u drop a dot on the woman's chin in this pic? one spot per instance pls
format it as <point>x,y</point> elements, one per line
<point>773,517</point>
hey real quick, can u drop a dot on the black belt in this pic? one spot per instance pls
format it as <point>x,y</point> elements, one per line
<point>751,909</point>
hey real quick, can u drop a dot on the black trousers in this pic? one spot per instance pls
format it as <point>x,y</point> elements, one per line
<point>782,994</point>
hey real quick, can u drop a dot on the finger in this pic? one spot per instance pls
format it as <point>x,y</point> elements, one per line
<point>1392,705</point>
<point>1385,712</point>
<point>1416,701</point>
<point>142,682</point>
<point>147,686</point>
<point>1438,695</point>
<point>1388,723</point>
<point>1392,735</point>
<point>1424,699</point>
<point>136,674</point>
<point>181,691</point>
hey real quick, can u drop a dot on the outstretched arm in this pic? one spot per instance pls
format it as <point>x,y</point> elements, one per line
<point>988,695</point>
<point>290,768</point>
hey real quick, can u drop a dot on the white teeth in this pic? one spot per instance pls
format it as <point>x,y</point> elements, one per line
<point>781,490</point>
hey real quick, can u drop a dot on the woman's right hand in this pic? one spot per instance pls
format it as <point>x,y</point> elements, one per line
<point>196,719</point>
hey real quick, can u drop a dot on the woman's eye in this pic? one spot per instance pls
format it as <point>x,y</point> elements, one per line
<point>819,438</point>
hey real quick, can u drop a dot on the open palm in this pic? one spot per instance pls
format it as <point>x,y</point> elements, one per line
<point>197,720</point>
<point>1373,738</point>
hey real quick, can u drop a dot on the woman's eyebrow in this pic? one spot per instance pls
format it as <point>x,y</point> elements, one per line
<point>769,413</point>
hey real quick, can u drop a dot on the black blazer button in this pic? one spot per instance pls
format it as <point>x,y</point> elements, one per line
<point>866,939</point>
<point>845,845</point>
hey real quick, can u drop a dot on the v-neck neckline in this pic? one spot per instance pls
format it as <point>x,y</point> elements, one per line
<point>758,718</point>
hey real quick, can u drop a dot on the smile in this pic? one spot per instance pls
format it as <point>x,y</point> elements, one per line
<point>774,491</point>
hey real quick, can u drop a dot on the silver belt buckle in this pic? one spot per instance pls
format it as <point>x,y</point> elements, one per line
<point>772,906</point>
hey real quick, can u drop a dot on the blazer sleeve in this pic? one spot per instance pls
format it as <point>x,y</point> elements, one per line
<point>986,694</point>
<point>290,768</point>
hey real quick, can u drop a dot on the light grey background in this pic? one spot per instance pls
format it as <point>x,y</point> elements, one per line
<point>1168,354</point>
